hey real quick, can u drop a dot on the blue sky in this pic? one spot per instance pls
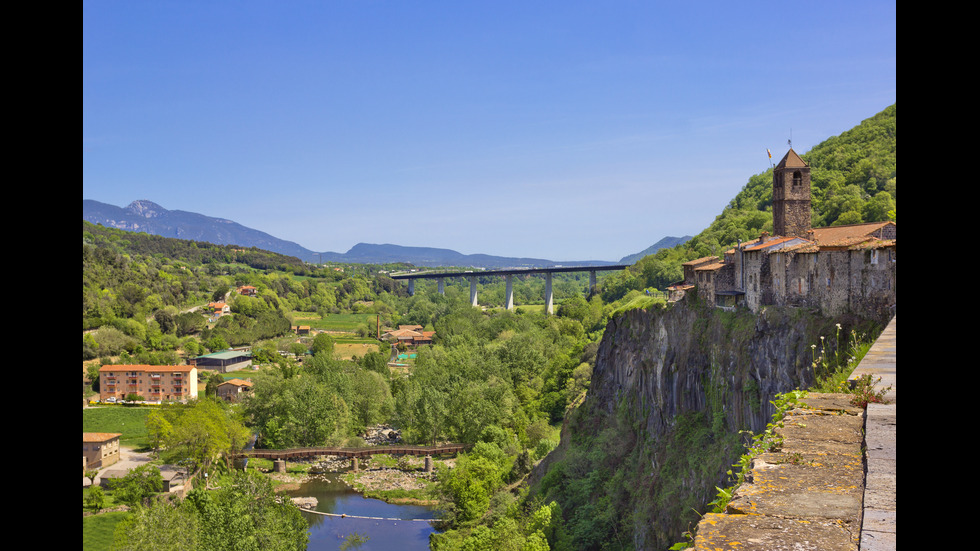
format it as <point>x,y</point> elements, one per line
<point>562,130</point>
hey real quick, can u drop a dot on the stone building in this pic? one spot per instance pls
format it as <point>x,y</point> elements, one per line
<point>232,390</point>
<point>99,449</point>
<point>836,269</point>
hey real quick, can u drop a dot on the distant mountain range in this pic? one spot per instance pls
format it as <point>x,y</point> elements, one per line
<point>146,216</point>
<point>665,243</point>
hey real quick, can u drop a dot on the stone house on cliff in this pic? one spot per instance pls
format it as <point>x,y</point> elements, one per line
<point>836,269</point>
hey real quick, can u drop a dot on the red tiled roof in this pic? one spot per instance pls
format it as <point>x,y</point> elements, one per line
<point>791,160</point>
<point>779,240</point>
<point>99,436</point>
<point>713,266</point>
<point>680,287</point>
<point>237,382</point>
<point>157,368</point>
<point>701,260</point>
<point>831,234</point>
<point>875,244</point>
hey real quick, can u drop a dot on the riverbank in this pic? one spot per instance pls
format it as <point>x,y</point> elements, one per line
<point>401,481</point>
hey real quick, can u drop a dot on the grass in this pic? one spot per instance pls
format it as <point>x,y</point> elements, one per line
<point>97,530</point>
<point>334,322</point>
<point>129,421</point>
<point>348,350</point>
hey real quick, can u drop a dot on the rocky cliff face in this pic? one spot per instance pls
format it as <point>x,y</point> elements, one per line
<point>670,391</point>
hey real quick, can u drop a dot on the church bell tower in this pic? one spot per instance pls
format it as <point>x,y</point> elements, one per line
<point>791,196</point>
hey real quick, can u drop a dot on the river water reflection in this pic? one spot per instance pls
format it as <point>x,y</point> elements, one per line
<point>327,533</point>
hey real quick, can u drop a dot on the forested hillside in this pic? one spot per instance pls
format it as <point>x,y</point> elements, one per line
<point>853,181</point>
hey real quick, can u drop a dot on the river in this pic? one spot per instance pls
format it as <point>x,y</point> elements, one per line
<point>390,527</point>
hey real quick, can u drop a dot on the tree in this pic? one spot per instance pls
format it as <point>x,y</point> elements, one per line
<point>219,294</point>
<point>95,498</point>
<point>204,432</point>
<point>296,411</point>
<point>158,428</point>
<point>160,526</point>
<point>322,343</point>
<point>245,514</point>
<point>375,361</point>
<point>167,319</point>
<point>139,484</point>
<point>215,379</point>
<point>216,342</point>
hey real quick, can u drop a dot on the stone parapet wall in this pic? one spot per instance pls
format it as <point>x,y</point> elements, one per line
<point>810,492</point>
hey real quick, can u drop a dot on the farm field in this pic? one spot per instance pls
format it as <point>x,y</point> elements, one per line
<point>130,421</point>
<point>345,323</point>
<point>347,350</point>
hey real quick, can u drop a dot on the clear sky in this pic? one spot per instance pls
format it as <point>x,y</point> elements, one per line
<point>566,130</point>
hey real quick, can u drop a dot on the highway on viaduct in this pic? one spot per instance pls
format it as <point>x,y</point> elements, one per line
<point>508,275</point>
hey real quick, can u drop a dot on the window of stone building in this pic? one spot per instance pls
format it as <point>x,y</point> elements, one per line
<point>797,178</point>
<point>874,256</point>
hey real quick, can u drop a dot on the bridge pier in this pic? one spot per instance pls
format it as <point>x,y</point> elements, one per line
<point>411,287</point>
<point>510,291</point>
<point>279,466</point>
<point>442,285</point>
<point>355,464</point>
<point>428,463</point>
<point>591,281</point>
<point>548,308</point>
<point>473,291</point>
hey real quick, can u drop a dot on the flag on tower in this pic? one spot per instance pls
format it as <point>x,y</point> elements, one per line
<point>769,152</point>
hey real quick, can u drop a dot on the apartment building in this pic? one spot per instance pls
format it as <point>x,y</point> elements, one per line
<point>152,382</point>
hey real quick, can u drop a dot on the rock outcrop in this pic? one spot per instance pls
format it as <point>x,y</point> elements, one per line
<point>670,392</point>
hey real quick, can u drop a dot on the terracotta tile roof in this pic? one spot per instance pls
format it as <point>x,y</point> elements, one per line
<point>403,333</point>
<point>710,267</point>
<point>154,368</point>
<point>680,286</point>
<point>772,242</point>
<point>875,244</point>
<point>831,234</point>
<point>807,247</point>
<point>791,160</point>
<point>699,261</point>
<point>99,436</point>
<point>237,382</point>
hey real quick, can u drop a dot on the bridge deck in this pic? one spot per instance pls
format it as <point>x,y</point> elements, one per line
<point>513,271</point>
<point>294,453</point>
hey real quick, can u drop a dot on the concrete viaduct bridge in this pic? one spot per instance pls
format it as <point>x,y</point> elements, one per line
<point>508,275</point>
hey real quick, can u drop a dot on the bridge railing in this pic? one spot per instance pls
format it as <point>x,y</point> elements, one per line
<point>352,452</point>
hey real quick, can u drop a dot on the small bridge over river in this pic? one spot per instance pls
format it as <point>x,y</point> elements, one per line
<point>508,275</point>
<point>281,456</point>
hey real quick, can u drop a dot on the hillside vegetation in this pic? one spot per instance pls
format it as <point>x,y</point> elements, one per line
<point>852,181</point>
<point>501,381</point>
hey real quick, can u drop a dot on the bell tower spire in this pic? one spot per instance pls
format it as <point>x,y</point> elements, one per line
<point>791,196</point>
